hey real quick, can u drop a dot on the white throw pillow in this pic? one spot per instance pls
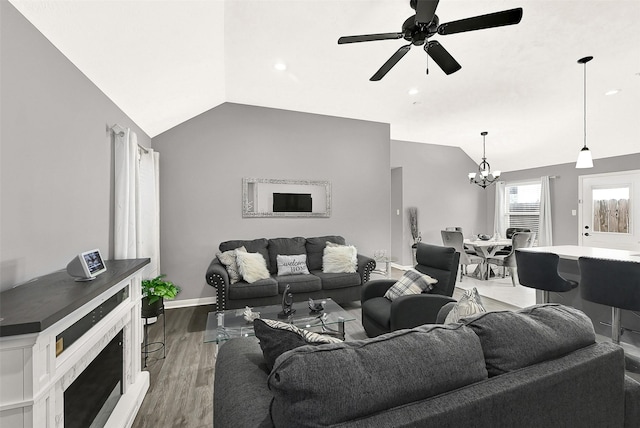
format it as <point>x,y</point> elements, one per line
<point>252,266</point>
<point>228,259</point>
<point>292,265</point>
<point>412,282</point>
<point>469,304</point>
<point>340,259</point>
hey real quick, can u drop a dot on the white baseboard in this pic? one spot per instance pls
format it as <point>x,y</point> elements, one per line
<point>170,304</point>
<point>401,267</point>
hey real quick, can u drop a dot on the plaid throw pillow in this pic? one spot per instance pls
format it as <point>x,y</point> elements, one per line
<point>412,282</point>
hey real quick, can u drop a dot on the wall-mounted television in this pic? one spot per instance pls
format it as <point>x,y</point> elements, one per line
<point>86,266</point>
<point>292,203</point>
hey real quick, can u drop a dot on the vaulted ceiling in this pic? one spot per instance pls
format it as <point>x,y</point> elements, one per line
<point>163,62</point>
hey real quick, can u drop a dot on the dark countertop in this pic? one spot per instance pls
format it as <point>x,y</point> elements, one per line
<point>37,305</point>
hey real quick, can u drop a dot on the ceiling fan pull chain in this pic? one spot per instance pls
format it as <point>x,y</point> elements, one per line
<point>427,61</point>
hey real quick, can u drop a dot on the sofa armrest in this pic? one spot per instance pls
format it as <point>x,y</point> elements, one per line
<point>240,378</point>
<point>366,265</point>
<point>218,277</point>
<point>375,288</point>
<point>631,403</point>
<point>414,310</point>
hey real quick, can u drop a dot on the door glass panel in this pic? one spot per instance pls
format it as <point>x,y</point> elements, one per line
<point>611,209</point>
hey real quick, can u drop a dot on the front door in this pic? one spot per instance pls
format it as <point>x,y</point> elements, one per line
<point>610,210</point>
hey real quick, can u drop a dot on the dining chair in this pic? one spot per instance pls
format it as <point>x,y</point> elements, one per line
<point>508,261</point>
<point>509,234</point>
<point>467,248</point>
<point>455,239</point>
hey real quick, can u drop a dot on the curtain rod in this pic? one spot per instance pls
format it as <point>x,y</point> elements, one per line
<point>120,133</point>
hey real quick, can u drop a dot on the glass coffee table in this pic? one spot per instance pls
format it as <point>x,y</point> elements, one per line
<point>226,325</point>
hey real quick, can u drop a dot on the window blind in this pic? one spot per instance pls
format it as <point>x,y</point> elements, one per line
<point>523,205</point>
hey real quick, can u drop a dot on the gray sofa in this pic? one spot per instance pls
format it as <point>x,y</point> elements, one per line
<point>538,367</point>
<point>341,287</point>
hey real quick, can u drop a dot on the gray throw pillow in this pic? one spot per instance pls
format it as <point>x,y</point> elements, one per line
<point>228,259</point>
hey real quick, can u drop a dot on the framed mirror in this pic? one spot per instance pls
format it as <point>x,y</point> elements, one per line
<point>266,197</point>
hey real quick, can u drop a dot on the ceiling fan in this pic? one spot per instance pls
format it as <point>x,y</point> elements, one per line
<point>424,24</point>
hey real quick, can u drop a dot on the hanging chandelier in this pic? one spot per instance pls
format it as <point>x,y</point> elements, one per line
<point>483,177</point>
<point>584,157</point>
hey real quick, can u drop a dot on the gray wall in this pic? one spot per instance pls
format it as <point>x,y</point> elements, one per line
<point>564,191</point>
<point>435,181</point>
<point>203,161</point>
<point>56,156</point>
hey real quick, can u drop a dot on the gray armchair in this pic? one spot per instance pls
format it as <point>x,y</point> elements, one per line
<point>380,315</point>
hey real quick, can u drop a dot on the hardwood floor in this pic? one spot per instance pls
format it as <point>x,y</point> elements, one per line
<point>181,389</point>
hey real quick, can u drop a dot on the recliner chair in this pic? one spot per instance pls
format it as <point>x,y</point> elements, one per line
<point>380,315</point>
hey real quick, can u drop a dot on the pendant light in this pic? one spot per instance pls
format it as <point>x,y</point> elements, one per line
<point>584,157</point>
<point>483,177</point>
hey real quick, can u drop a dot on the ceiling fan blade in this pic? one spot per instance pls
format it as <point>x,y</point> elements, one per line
<point>425,10</point>
<point>390,63</point>
<point>369,38</point>
<point>442,57</point>
<point>497,19</point>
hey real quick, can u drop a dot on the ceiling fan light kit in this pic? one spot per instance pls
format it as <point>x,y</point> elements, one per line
<point>425,24</point>
<point>584,157</point>
<point>483,177</point>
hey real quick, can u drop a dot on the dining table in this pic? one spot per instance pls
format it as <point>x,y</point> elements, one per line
<point>486,248</point>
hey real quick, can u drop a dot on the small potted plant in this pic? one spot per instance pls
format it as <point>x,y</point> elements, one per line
<point>154,291</point>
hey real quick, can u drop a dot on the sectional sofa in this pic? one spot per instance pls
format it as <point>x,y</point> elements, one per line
<point>538,367</point>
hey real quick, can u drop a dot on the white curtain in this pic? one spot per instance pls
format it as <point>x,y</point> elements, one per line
<point>137,203</point>
<point>545,231</point>
<point>499,226</point>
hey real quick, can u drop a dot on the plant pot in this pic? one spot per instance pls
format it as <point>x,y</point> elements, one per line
<point>152,310</point>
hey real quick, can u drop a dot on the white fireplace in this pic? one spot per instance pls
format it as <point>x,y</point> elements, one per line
<point>37,368</point>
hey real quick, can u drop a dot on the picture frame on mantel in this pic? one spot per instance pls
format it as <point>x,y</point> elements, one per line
<point>312,196</point>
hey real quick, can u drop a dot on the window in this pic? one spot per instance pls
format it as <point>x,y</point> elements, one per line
<point>522,205</point>
<point>611,209</point>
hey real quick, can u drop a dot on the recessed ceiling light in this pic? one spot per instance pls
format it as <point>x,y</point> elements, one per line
<point>413,91</point>
<point>280,66</point>
<point>612,92</point>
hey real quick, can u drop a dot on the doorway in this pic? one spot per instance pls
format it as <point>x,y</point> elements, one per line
<point>397,219</point>
<point>609,215</point>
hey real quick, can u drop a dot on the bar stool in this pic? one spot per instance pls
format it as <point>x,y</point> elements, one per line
<point>540,271</point>
<point>612,283</point>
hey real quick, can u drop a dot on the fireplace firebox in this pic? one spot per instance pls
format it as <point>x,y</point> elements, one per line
<point>97,390</point>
